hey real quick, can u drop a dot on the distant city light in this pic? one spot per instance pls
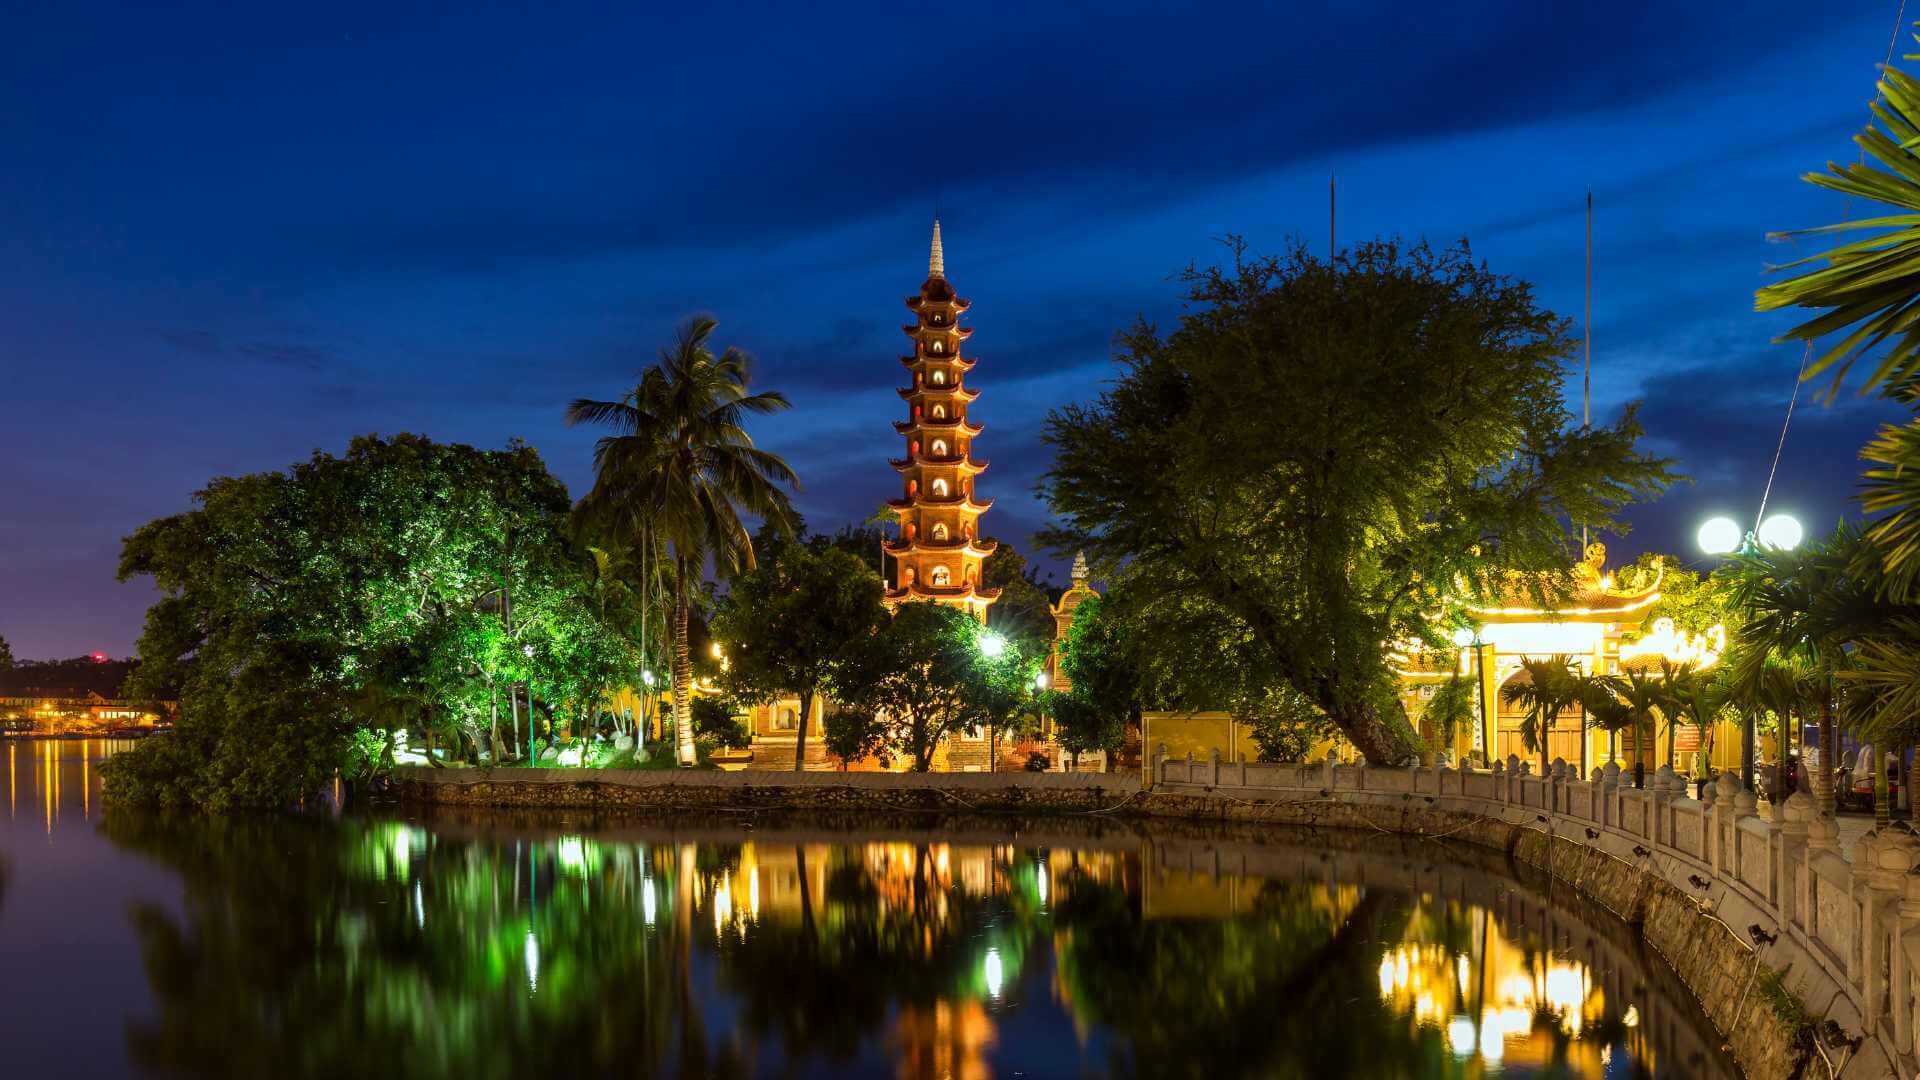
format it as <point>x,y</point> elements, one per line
<point>1781,531</point>
<point>99,658</point>
<point>1718,536</point>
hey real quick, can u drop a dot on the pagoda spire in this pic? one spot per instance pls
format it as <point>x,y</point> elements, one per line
<point>936,259</point>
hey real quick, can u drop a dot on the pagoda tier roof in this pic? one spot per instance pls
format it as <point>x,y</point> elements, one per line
<point>942,295</point>
<point>969,593</point>
<point>1587,594</point>
<point>965,363</point>
<point>961,502</point>
<point>954,423</point>
<point>915,330</point>
<point>982,548</point>
<point>947,390</point>
<point>968,464</point>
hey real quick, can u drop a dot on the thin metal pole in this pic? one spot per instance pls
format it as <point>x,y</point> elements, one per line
<point>1332,247</point>
<point>1586,378</point>
<point>1480,673</point>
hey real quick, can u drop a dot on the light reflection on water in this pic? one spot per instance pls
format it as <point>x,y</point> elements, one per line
<point>480,946</point>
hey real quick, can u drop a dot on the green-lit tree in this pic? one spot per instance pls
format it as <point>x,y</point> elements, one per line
<point>347,592</point>
<point>789,624</point>
<point>925,672</point>
<point>680,470</point>
<point>1100,659</point>
<point>1323,456</point>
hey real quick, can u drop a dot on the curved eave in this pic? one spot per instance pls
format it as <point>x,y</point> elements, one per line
<point>965,465</point>
<point>964,593</point>
<point>914,331</point>
<point>1596,609</point>
<point>908,427</point>
<point>957,303</point>
<point>962,503</point>
<point>953,390</point>
<point>904,548</point>
<point>964,363</point>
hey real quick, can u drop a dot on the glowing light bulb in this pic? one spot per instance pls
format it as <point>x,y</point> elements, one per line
<point>1718,536</point>
<point>1781,531</point>
<point>992,644</point>
<point>993,972</point>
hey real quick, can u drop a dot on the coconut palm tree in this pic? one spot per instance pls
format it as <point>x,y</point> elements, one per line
<point>680,471</point>
<point>1642,693</point>
<point>1549,688</point>
<point>1603,698</point>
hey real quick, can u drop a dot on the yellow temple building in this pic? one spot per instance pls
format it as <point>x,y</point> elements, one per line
<point>1602,626</point>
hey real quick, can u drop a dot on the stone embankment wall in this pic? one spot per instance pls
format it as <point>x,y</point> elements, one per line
<point>665,789</point>
<point>1764,920</point>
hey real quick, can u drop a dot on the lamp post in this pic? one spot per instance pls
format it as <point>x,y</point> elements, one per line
<point>1721,536</point>
<point>1469,637</point>
<point>1040,682</point>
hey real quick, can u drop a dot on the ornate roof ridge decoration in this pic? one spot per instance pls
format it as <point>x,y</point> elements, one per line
<point>1594,592</point>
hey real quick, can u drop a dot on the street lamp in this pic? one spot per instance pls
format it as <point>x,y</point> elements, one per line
<point>1781,531</point>
<point>992,644</point>
<point>1468,637</point>
<point>1040,681</point>
<point>1719,536</point>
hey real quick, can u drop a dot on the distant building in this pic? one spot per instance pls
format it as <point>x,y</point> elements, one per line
<point>73,697</point>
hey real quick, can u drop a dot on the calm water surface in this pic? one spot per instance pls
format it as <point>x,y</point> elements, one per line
<point>391,943</point>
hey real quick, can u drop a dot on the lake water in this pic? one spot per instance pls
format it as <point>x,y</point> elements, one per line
<point>396,943</point>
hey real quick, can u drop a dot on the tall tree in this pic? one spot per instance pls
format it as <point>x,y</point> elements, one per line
<point>924,672</point>
<point>789,624</point>
<point>681,467</point>
<point>348,592</point>
<point>1323,454</point>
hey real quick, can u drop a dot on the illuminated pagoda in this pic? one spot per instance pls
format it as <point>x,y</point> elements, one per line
<point>938,552</point>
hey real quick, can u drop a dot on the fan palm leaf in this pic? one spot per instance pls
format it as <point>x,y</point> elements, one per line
<point>1871,285</point>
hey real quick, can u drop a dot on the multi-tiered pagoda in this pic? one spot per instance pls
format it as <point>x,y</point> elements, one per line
<point>938,553</point>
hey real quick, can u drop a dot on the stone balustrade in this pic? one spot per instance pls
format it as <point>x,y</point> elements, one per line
<point>1845,934</point>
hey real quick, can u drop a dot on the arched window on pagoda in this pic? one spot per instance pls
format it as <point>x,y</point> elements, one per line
<point>913,488</point>
<point>938,346</point>
<point>939,378</point>
<point>941,577</point>
<point>913,448</point>
<point>909,576</point>
<point>939,448</point>
<point>940,489</point>
<point>939,412</point>
<point>940,531</point>
<point>966,532</point>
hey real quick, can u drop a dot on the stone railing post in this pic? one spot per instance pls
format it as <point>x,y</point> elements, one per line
<point>1327,774</point>
<point>1499,772</point>
<point>1213,767</point>
<point>1160,763</point>
<point>1885,865</point>
<point>1718,801</point>
<point>1610,794</point>
<point>1790,841</point>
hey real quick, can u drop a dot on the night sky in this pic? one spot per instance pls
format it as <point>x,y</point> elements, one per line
<point>229,237</point>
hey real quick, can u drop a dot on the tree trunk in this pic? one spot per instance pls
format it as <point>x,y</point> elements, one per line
<point>1882,795</point>
<point>1377,740</point>
<point>800,734</point>
<point>1823,779</point>
<point>682,673</point>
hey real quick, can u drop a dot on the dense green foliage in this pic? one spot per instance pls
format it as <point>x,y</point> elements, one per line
<point>853,735</point>
<point>405,583</point>
<point>789,625</point>
<point>927,673</point>
<point>1323,455</point>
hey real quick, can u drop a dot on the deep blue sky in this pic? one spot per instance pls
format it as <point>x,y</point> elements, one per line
<point>231,236</point>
